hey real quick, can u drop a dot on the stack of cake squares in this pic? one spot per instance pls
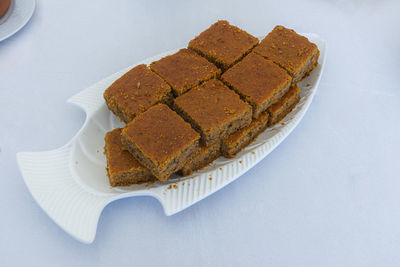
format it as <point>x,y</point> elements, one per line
<point>210,99</point>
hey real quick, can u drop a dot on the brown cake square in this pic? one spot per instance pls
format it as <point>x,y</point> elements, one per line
<point>223,44</point>
<point>135,92</point>
<point>234,143</point>
<point>160,140</point>
<point>184,70</point>
<point>122,168</point>
<point>202,158</point>
<point>214,110</point>
<point>281,108</point>
<point>259,81</point>
<point>291,51</point>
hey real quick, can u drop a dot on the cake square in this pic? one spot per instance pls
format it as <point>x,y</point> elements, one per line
<point>259,81</point>
<point>204,156</point>
<point>291,51</point>
<point>135,92</point>
<point>234,143</point>
<point>160,140</point>
<point>214,110</point>
<point>281,108</point>
<point>184,70</point>
<point>223,44</point>
<point>122,168</point>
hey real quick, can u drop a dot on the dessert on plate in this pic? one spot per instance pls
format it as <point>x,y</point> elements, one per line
<point>184,70</point>
<point>122,168</point>
<point>234,143</point>
<point>223,44</point>
<point>281,108</point>
<point>259,81</point>
<point>291,51</point>
<point>211,99</point>
<point>160,140</point>
<point>213,110</point>
<point>204,156</point>
<point>135,92</point>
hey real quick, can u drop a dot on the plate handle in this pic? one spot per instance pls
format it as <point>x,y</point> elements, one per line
<point>51,183</point>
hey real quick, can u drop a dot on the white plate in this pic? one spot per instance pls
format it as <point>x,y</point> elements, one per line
<point>71,185</point>
<point>18,14</point>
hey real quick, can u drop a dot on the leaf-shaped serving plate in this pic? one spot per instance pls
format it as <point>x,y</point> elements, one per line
<point>71,184</point>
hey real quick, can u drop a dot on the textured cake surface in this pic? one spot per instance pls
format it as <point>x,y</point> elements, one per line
<point>135,92</point>
<point>160,140</point>
<point>293,52</point>
<point>223,44</point>
<point>202,158</point>
<point>184,70</point>
<point>281,108</point>
<point>259,81</point>
<point>122,167</point>
<point>213,110</point>
<point>234,143</point>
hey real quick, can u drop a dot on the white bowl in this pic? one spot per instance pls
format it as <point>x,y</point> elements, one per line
<point>71,184</point>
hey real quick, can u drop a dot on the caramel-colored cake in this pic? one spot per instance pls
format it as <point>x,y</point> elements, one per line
<point>223,44</point>
<point>211,99</point>
<point>213,110</point>
<point>234,143</point>
<point>135,92</point>
<point>202,158</point>
<point>291,51</point>
<point>160,140</point>
<point>259,81</point>
<point>4,6</point>
<point>184,70</point>
<point>122,168</point>
<point>281,108</point>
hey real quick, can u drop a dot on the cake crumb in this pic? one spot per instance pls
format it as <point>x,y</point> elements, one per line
<point>210,178</point>
<point>220,169</point>
<point>252,152</point>
<point>308,84</point>
<point>282,123</point>
<point>170,186</point>
<point>175,186</point>
<point>183,183</point>
<point>240,161</point>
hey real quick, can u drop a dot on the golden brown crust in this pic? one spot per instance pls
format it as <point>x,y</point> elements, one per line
<point>122,167</point>
<point>281,108</point>
<point>184,70</point>
<point>233,138</point>
<point>204,156</point>
<point>293,91</point>
<point>135,92</point>
<point>223,44</point>
<point>259,81</point>
<point>160,133</point>
<point>234,143</point>
<point>160,140</point>
<point>212,108</point>
<point>289,50</point>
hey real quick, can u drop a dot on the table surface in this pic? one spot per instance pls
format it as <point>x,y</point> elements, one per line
<point>327,196</point>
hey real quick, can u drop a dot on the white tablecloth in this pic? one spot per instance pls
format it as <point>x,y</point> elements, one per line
<point>329,195</point>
